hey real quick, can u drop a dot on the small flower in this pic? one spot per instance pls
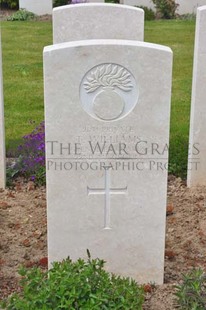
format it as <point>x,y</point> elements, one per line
<point>32,154</point>
<point>78,1</point>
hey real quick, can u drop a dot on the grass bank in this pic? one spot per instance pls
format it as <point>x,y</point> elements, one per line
<point>22,44</point>
<point>179,36</point>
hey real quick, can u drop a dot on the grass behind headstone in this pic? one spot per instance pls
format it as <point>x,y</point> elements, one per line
<point>179,36</point>
<point>23,43</point>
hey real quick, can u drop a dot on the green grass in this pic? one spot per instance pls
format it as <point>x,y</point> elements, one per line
<point>23,43</point>
<point>179,36</point>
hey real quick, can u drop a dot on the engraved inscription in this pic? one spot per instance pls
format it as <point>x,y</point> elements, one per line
<point>108,92</point>
<point>107,191</point>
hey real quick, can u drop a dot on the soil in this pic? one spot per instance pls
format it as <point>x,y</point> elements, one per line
<point>23,238</point>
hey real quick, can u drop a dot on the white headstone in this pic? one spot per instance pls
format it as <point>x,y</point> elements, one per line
<point>38,7</point>
<point>197,141</point>
<point>2,135</point>
<point>97,21</point>
<point>107,108</point>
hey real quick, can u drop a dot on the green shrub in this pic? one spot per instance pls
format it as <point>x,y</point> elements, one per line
<point>11,4</point>
<point>111,1</point>
<point>21,15</point>
<point>75,285</point>
<point>149,14</point>
<point>60,3</point>
<point>166,8</point>
<point>191,293</point>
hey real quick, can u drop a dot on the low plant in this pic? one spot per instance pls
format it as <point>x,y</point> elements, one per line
<point>60,2</point>
<point>12,171</point>
<point>149,14</point>
<point>31,157</point>
<point>166,8</point>
<point>75,285</point>
<point>188,16</point>
<point>111,1</point>
<point>11,4</point>
<point>191,294</point>
<point>21,15</point>
<point>78,1</point>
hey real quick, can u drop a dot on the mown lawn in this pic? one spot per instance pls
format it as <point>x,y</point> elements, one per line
<point>179,36</point>
<point>23,43</point>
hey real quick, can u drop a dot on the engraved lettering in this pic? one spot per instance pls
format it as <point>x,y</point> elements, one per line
<point>52,146</point>
<point>138,147</point>
<point>97,147</point>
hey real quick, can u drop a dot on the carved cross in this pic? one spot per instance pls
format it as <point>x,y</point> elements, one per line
<point>107,191</point>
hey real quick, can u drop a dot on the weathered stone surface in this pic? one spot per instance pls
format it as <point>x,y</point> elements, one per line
<point>107,106</point>
<point>197,141</point>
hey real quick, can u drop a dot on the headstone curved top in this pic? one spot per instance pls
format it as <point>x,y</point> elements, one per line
<point>107,111</point>
<point>89,21</point>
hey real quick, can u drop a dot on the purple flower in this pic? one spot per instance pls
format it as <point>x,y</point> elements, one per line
<point>78,1</point>
<point>32,151</point>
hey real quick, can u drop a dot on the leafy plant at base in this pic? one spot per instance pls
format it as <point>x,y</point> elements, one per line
<point>188,16</point>
<point>60,3</point>
<point>12,171</point>
<point>166,8</point>
<point>31,156</point>
<point>12,4</point>
<point>191,293</point>
<point>75,285</point>
<point>111,1</point>
<point>21,15</point>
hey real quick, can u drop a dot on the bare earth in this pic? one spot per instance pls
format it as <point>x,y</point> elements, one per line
<point>23,236</point>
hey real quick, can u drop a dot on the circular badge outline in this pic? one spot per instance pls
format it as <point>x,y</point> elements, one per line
<point>124,114</point>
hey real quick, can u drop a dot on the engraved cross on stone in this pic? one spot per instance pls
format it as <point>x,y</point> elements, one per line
<point>107,191</point>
